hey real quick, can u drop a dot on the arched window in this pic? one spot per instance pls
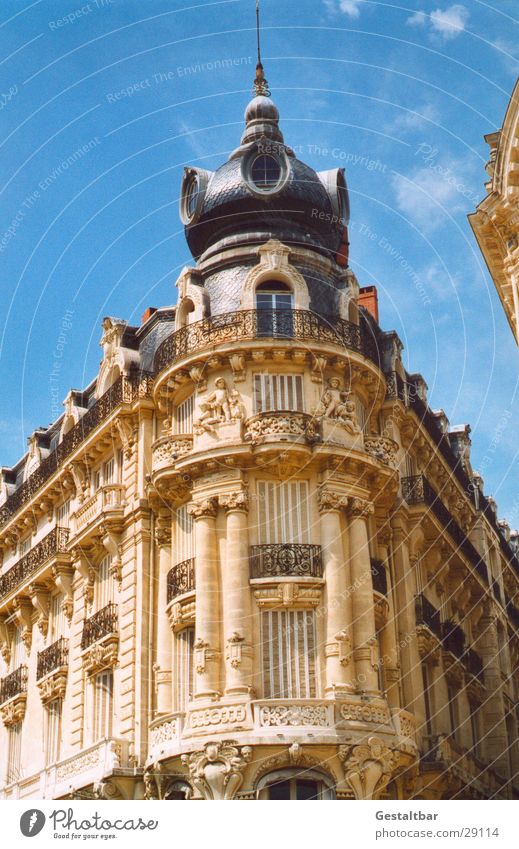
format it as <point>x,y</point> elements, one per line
<point>294,785</point>
<point>274,302</point>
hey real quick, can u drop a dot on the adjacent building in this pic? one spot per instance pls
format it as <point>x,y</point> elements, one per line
<point>249,561</point>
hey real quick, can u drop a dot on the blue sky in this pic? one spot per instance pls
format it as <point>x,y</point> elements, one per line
<point>129,92</point>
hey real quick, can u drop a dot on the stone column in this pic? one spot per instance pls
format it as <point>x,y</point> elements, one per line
<point>207,626</point>
<point>236,598</point>
<point>494,734</point>
<point>339,664</point>
<point>388,640</point>
<point>404,592</point>
<point>163,661</point>
<point>364,631</point>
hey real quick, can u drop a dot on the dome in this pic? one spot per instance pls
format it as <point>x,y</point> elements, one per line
<point>264,192</point>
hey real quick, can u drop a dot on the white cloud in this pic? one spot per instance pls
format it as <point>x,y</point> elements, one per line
<point>433,192</point>
<point>446,23</point>
<point>349,7</point>
<point>414,119</point>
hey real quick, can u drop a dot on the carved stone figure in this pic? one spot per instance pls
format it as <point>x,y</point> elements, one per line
<point>337,404</point>
<point>222,405</point>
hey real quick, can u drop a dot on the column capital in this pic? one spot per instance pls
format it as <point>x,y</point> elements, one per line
<point>205,509</point>
<point>163,528</point>
<point>360,509</point>
<point>238,500</point>
<point>328,499</point>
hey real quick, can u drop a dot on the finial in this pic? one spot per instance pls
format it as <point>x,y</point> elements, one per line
<point>261,86</point>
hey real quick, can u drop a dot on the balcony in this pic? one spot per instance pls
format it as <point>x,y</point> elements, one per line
<point>181,579</point>
<point>101,624</point>
<point>124,390</point>
<point>453,639</point>
<point>53,657</point>
<point>418,490</point>
<point>281,426</point>
<point>107,504</point>
<point>168,449</point>
<point>283,560</point>
<point>14,684</point>
<point>51,545</point>
<point>259,324</point>
<point>427,614</point>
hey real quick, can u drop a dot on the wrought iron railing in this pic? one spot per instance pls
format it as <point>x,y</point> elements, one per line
<point>453,638</point>
<point>418,490</point>
<point>258,324</point>
<point>181,578</point>
<point>54,543</point>
<point>282,559</point>
<point>122,391</point>
<point>101,624</point>
<point>53,657</point>
<point>379,576</point>
<point>427,614</point>
<point>473,663</point>
<point>13,684</point>
<point>506,548</point>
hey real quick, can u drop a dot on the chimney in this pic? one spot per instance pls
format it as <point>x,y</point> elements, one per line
<point>148,314</point>
<point>368,298</point>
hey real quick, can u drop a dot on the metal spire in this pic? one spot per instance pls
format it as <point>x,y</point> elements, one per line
<point>261,86</point>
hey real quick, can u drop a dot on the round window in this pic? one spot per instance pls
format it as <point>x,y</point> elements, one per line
<point>265,172</point>
<point>191,196</point>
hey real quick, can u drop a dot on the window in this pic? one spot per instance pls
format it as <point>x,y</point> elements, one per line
<point>103,704</point>
<point>287,784</point>
<point>278,392</point>
<point>183,668</point>
<point>105,583</point>
<point>283,512</point>
<point>360,412</point>
<point>17,649</point>
<point>14,752</point>
<point>53,732</point>
<point>184,415</point>
<point>56,618</point>
<point>265,171</point>
<point>427,699</point>
<point>289,656</point>
<point>184,538</point>
<point>274,303</point>
<point>109,471</point>
<point>474,727</point>
<point>62,515</point>
<point>453,711</point>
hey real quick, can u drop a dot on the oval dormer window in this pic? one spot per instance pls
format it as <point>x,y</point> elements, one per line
<point>265,172</point>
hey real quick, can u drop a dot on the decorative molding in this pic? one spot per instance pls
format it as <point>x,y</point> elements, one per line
<point>205,509</point>
<point>336,403</point>
<point>22,610</point>
<point>308,716</point>
<point>53,686</point>
<point>383,449</point>
<point>101,655</point>
<point>230,714</point>
<point>40,598</point>
<point>288,594</point>
<point>368,767</point>
<point>165,732</point>
<point>355,711</point>
<point>217,770</point>
<point>360,509</point>
<point>238,500</point>
<point>327,500</point>
<point>13,711</point>
<point>222,405</point>
<point>341,648</point>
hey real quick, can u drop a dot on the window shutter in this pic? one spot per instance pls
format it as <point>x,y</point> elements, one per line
<point>52,743</point>
<point>104,583</point>
<point>14,756</point>
<point>56,618</point>
<point>103,705</point>
<point>278,392</point>
<point>283,512</point>
<point>289,654</point>
<point>184,415</point>
<point>62,515</point>
<point>184,542</point>
<point>108,472</point>
<point>183,668</point>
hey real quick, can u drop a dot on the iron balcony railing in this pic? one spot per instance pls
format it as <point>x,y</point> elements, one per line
<point>181,578</point>
<point>13,684</point>
<point>101,624</point>
<point>122,391</point>
<point>453,638</point>
<point>260,324</point>
<point>427,614</point>
<point>418,490</point>
<point>54,543</point>
<point>473,663</point>
<point>286,559</point>
<point>379,576</point>
<point>53,657</point>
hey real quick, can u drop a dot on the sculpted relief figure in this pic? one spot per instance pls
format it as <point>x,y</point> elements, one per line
<point>221,405</point>
<point>336,403</point>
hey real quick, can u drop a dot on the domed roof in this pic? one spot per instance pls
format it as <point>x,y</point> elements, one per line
<point>263,191</point>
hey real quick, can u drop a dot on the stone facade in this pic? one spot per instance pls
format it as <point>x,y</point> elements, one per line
<point>250,559</point>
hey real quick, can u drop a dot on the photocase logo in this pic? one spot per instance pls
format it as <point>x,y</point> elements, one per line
<point>32,822</point>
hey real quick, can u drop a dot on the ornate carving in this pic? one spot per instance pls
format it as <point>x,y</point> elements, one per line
<point>341,648</point>
<point>14,711</point>
<point>53,686</point>
<point>382,448</point>
<point>22,610</point>
<point>124,427</point>
<point>101,655</point>
<point>288,595</point>
<point>217,770</point>
<point>327,499</point>
<point>337,404</point>
<point>164,732</point>
<point>205,509</point>
<point>315,716</point>
<point>222,405</point>
<point>367,767</point>
<point>40,598</point>
<point>227,715</point>
<point>204,654</point>
<point>360,509</point>
<point>238,500</point>
<point>108,753</point>
<point>288,424</point>
<point>363,712</point>
<point>167,450</point>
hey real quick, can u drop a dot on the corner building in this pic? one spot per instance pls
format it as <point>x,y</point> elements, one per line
<point>249,561</point>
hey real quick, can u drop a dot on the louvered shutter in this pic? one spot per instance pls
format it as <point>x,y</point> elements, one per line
<point>289,654</point>
<point>183,668</point>
<point>283,512</point>
<point>278,392</point>
<point>184,538</point>
<point>184,416</point>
